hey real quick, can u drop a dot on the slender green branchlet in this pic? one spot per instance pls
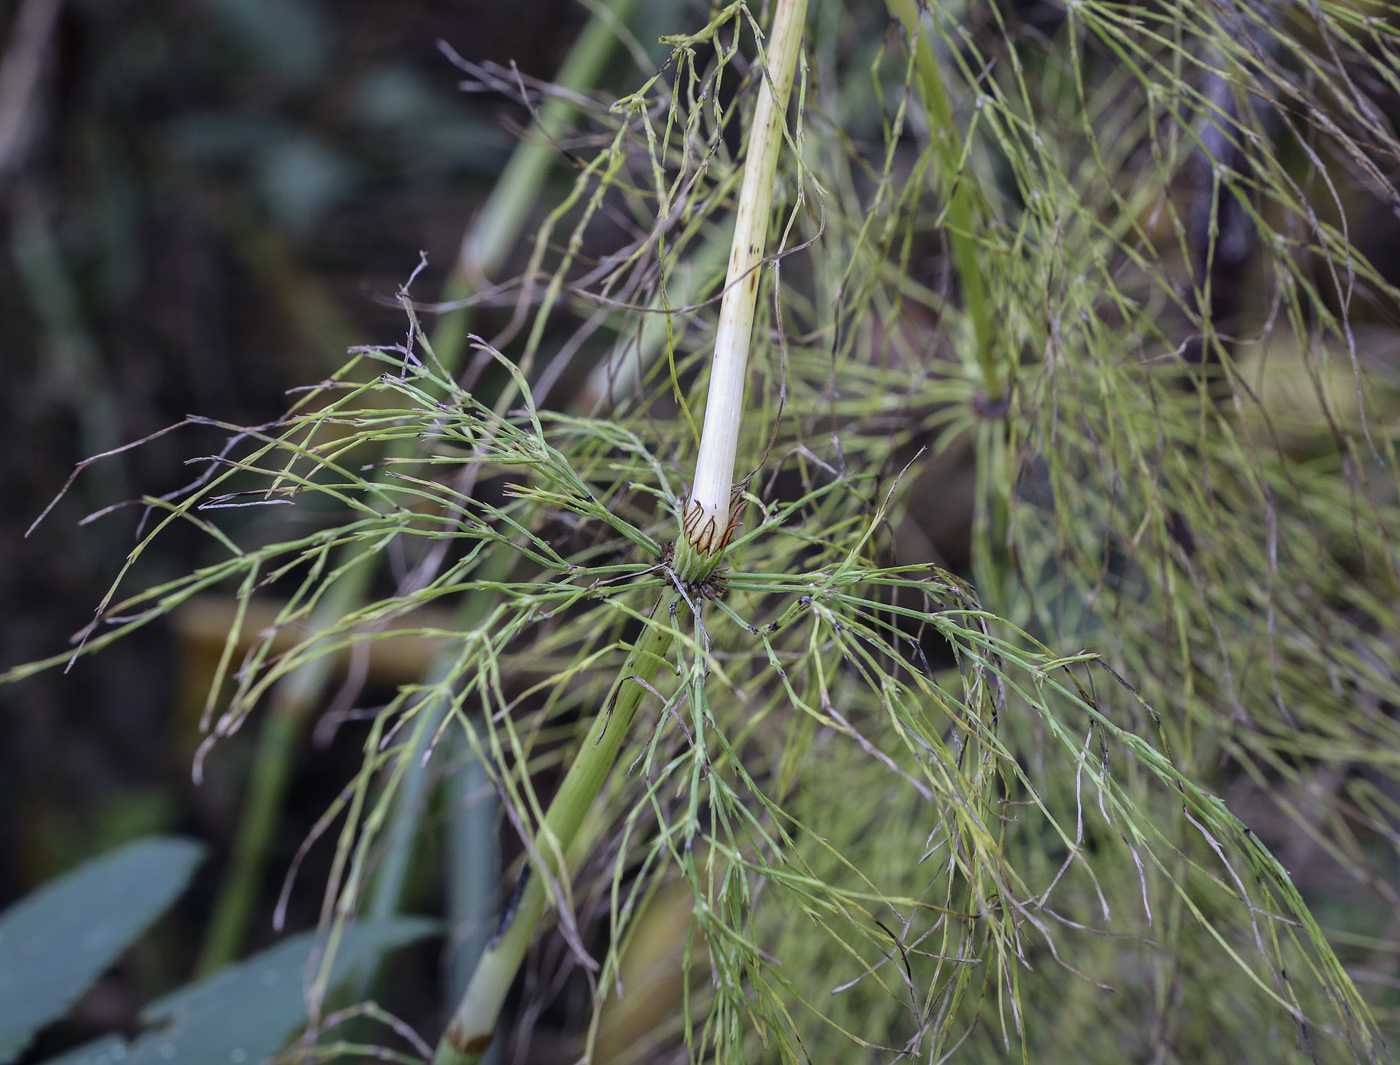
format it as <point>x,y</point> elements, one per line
<point>710,514</point>
<point>485,246</point>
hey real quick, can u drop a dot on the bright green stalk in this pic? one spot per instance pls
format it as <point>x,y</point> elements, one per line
<point>472,821</point>
<point>473,1024</point>
<point>484,249</point>
<point>947,138</point>
<point>708,515</point>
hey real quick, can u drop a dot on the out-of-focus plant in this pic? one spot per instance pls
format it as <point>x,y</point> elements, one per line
<point>57,942</point>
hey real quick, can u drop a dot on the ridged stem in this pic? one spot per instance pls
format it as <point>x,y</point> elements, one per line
<point>708,517</point>
<point>473,1024</point>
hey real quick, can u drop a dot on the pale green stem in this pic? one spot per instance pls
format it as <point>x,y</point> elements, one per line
<point>473,1023</point>
<point>958,187</point>
<point>707,516</point>
<point>474,860</point>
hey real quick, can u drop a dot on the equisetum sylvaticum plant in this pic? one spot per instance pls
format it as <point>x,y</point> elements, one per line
<point>1087,294</point>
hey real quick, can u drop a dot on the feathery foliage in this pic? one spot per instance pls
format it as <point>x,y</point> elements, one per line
<point>917,814</point>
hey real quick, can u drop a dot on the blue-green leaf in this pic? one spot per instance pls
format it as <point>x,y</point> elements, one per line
<point>289,39</point>
<point>245,1012</point>
<point>301,177</point>
<point>57,941</point>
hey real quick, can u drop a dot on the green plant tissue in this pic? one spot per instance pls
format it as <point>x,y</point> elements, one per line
<point>57,941</point>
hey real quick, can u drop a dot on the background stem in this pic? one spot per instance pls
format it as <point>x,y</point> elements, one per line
<point>959,187</point>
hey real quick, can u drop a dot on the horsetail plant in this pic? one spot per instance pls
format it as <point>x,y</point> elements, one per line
<point>908,816</point>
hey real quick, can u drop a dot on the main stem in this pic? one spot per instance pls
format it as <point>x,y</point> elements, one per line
<point>473,1024</point>
<point>708,515</point>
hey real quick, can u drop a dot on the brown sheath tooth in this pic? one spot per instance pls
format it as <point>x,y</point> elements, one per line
<point>708,538</point>
<point>459,1041</point>
<point>693,513</point>
<point>705,541</point>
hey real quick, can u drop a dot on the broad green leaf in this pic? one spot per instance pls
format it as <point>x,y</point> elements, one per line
<point>57,941</point>
<point>245,1012</point>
